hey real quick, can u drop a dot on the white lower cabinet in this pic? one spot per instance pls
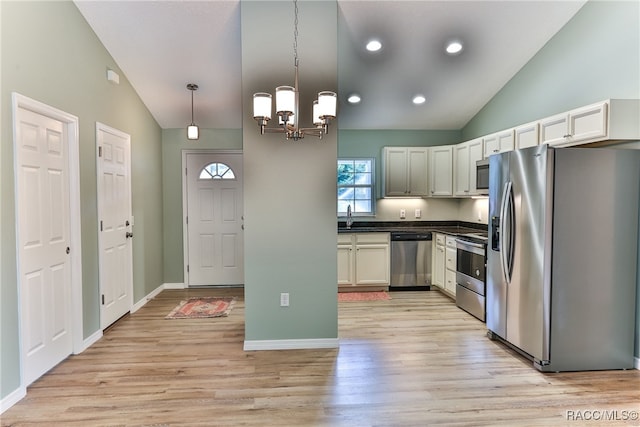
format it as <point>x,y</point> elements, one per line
<point>438,265</point>
<point>450,263</point>
<point>346,273</point>
<point>363,260</point>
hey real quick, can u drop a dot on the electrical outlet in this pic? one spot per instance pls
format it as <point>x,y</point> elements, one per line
<point>418,213</point>
<point>284,299</point>
<point>403,214</point>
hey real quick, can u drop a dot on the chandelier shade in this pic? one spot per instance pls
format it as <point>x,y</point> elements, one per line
<point>262,105</point>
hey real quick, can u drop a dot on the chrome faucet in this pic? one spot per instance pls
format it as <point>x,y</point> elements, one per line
<point>349,218</point>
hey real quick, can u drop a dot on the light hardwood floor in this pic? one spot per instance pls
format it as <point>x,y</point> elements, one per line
<point>416,360</point>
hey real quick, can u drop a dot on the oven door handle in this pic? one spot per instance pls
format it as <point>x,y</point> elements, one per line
<point>468,243</point>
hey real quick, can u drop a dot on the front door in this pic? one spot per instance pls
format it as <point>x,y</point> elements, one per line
<point>214,219</point>
<point>115,223</point>
<point>43,228</point>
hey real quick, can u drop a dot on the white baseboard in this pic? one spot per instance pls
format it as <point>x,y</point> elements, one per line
<point>637,362</point>
<point>174,286</point>
<point>12,398</point>
<point>250,345</point>
<point>151,295</point>
<point>91,339</point>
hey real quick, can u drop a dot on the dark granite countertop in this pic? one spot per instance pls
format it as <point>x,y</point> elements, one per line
<point>455,228</point>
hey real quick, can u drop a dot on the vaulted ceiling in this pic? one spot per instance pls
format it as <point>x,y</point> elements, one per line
<point>162,45</point>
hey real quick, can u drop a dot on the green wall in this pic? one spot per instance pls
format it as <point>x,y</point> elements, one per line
<point>174,141</point>
<point>50,54</point>
<point>595,56</point>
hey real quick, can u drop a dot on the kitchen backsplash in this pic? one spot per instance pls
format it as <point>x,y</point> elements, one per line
<point>432,209</point>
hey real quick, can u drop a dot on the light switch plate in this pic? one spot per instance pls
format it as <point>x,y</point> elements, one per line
<point>418,213</point>
<point>403,214</point>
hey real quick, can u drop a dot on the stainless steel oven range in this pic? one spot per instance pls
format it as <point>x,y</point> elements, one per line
<point>470,274</point>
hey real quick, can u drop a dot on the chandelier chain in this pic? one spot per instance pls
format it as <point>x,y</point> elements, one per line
<point>295,31</point>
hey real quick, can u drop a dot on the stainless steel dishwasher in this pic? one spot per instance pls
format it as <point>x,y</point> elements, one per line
<point>411,261</point>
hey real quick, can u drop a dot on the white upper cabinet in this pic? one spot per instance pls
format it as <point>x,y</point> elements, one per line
<point>405,171</point>
<point>527,135</point>
<point>466,155</point>
<point>611,120</point>
<point>576,126</point>
<point>498,142</point>
<point>441,171</point>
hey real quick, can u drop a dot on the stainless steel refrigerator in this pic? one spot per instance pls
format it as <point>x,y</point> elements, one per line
<point>562,255</point>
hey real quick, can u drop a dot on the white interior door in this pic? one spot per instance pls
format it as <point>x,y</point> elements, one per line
<point>43,225</point>
<point>214,219</point>
<point>115,223</point>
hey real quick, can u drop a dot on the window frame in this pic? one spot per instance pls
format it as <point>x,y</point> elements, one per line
<point>371,186</point>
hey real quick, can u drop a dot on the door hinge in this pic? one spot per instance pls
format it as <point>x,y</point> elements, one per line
<point>187,268</point>
<point>187,220</point>
<point>100,225</point>
<point>100,151</point>
<point>185,171</point>
<point>102,299</point>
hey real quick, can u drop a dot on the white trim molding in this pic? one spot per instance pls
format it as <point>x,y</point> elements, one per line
<point>12,398</point>
<point>251,345</point>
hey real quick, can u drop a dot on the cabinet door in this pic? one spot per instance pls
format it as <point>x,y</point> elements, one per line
<point>395,171</point>
<point>475,154</point>
<point>372,264</point>
<point>441,174</point>
<point>527,135</point>
<point>490,145</point>
<point>345,265</point>
<point>588,123</point>
<point>438,266</point>
<point>554,130</point>
<point>450,282</point>
<point>505,141</point>
<point>417,171</point>
<point>451,259</point>
<point>461,163</point>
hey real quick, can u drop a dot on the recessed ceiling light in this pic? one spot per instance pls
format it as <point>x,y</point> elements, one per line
<point>419,99</point>
<point>354,98</point>
<point>374,45</point>
<point>454,47</point>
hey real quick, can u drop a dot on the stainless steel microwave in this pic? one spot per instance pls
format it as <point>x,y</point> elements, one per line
<point>482,176</point>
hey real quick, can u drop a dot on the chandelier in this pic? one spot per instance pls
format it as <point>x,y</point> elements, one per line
<point>287,104</point>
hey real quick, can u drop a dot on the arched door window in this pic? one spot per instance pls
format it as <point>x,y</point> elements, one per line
<point>217,171</point>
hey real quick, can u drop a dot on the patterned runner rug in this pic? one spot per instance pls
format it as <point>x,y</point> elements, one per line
<point>202,307</point>
<point>363,296</point>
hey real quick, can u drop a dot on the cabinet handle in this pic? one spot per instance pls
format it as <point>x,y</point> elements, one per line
<point>567,135</point>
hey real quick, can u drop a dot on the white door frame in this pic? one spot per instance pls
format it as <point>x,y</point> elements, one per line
<point>185,237</point>
<point>101,127</point>
<point>72,134</point>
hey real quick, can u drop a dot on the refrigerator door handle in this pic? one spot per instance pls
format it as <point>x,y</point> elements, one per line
<point>506,234</point>
<point>512,231</point>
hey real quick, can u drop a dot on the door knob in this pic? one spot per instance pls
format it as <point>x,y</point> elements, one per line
<point>128,235</point>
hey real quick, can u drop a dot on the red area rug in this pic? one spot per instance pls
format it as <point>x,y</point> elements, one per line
<point>363,296</point>
<point>202,307</point>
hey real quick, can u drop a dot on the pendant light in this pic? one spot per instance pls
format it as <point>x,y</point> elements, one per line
<point>192,130</point>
